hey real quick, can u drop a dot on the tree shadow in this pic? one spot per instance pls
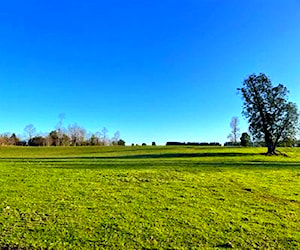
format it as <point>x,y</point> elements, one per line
<point>181,155</point>
<point>181,161</point>
<point>134,156</point>
<point>177,166</point>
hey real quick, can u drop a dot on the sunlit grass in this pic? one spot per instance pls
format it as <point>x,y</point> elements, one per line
<point>149,197</point>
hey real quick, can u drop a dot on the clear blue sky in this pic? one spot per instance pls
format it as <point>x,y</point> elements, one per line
<point>154,70</point>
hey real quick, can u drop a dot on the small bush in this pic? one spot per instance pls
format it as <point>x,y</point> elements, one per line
<point>121,142</point>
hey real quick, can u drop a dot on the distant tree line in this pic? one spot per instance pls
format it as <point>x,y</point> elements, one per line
<point>245,141</point>
<point>73,135</point>
<point>193,144</point>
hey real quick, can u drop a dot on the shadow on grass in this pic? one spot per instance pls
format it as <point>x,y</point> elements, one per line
<point>202,166</point>
<point>148,161</point>
<point>137,156</point>
<point>155,165</point>
<point>217,166</point>
<point>182,155</point>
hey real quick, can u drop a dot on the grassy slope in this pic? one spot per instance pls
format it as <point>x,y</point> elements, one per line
<point>150,197</point>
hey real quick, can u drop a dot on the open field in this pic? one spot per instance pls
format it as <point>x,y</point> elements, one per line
<point>149,197</point>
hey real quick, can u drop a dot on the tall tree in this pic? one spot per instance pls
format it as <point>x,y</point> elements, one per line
<point>270,115</point>
<point>65,140</point>
<point>115,138</point>
<point>30,131</point>
<point>94,139</point>
<point>13,140</point>
<point>60,129</point>
<point>234,125</point>
<point>76,134</point>
<point>53,138</point>
<point>104,132</point>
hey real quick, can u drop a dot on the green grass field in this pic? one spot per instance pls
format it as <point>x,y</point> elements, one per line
<point>149,198</point>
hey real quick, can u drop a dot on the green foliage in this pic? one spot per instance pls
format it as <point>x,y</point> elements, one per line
<point>245,140</point>
<point>53,138</point>
<point>287,142</point>
<point>271,117</point>
<point>121,142</point>
<point>148,198</point>
<point>65,140</point>
<point>94,140</point>
<point>37,141</point>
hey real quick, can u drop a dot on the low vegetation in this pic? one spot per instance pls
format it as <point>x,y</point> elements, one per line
<point>149,197</point>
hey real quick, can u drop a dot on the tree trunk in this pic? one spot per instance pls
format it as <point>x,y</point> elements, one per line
<point>271,148</point>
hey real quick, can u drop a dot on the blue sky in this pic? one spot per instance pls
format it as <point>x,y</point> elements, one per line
<point>154,70</point>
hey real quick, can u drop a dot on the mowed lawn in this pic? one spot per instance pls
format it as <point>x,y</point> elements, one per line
<point>149,198</point>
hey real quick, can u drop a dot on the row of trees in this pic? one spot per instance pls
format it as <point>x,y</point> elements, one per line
<point>245,140</point>
<point>74,135</point>
<point>273,121</point>
<point>192,144</point>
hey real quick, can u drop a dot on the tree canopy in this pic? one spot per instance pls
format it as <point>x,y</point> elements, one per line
<point>245,140</point>
<point>270,115</point>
